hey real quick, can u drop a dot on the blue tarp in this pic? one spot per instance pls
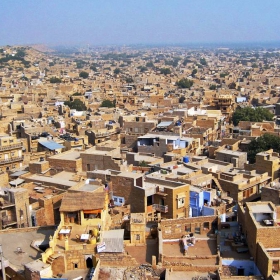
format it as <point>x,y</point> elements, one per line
<point>51,145</point>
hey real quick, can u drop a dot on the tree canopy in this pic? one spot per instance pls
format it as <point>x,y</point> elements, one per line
<point>107,103</point>
<point>83,74</point>
<point>117,71</point>
<point>194,72</point>
<point>251,114</point>
<point>77,94</point>
<point>165,71</point>
<point>261,144</point>
<point>76,104</point>
<point>203,61</point>
<point>184,83</point>
<point>150,64</point>
<point>129,80</point>
<point>55,80</point>
<point>182,99</point>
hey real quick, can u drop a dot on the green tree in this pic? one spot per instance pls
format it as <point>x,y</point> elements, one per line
<point>251,114</point>
<point>203,61</point>
<point>77,94</point>
<point>150,64</point>
<point>165,71</point>
<point>184,83</point>
<point>223,75</point>
<point>83,75</point>
<point>232,85</point>
<point>129,80</point>
<point>194,72</point>
<point>142,69</point>
<point>107,103</point>
<point>55,80</point>
<point>76,104</point>
<point>261,144</point>
<point>143,163</point>
<point>117,71</point>
<point>93,68</point>
<point>20,53</point>
<point>182,99</point>
<point>213,87</point>
<point>186,61</point>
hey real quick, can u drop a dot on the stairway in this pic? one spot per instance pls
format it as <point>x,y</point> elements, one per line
<point>50,260</point>
<point>217,184</point>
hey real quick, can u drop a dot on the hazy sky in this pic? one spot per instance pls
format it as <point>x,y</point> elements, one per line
<point>138,21</point>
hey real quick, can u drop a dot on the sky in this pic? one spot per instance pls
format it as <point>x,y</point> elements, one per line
<point>107,22</point>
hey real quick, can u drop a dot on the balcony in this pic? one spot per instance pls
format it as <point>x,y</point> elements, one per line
<point>10,160</point>
<point>9,222</point>
<point>160,208</point>
<point>11,147</point>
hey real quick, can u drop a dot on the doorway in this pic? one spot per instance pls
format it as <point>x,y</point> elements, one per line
<point>89,262</point>
<point>240,271</point>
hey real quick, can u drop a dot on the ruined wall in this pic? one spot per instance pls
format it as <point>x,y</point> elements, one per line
<point>117,259</point>
<point>175,228</point>
<point>270,194</point>
<point>263,262</point>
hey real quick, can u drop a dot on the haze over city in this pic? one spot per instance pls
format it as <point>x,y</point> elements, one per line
<point>138,22</point>
<point>139,140</point>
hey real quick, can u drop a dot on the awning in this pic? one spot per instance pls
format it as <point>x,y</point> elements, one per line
<point>18,173</point>
<point>164,124</point>
<point>92,211</point>
<point>51,145</point>
<point>16,182</point>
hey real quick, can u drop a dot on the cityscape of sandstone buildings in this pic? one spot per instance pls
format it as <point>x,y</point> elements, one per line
<point>108,162</point>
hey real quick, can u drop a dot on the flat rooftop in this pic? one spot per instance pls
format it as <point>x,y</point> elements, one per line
<point>11,240</point>
<point>202,247</point>
<point>73,155</point>
<point>235,153</point>
<point>61,178</point>
<point>261,208</point>
<point>130,175</point>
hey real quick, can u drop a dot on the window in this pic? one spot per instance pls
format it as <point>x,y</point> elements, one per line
<point>137,236</point>
<point>115,199</point>
<point>120,200</point>
<point>181,202</point>
<point>206,225</point>
<point>251,190</point>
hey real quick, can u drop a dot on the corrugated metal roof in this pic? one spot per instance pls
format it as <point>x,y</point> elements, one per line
<point>51,145</point>
<point>16,182</point>
<point>164,124</point>
<point>113,240</point>
<point>18,173</point>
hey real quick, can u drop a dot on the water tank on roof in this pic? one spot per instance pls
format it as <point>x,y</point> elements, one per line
<point>186,159</point>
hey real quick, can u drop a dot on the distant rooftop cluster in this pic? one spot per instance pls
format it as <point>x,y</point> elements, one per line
<point>151,163</point>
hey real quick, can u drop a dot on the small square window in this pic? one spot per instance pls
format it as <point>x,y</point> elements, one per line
<point>181,202</point>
